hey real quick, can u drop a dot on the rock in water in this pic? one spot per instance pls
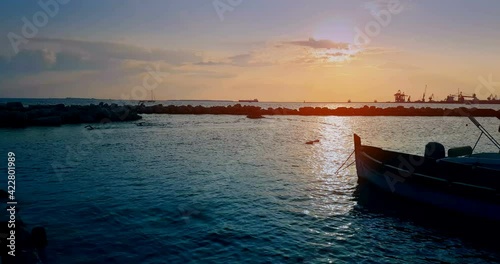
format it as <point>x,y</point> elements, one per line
<point>4,194</point>
<point>39,237</point>
<point>255,116</point>
<point>14,105</point>
<point>47,121</point>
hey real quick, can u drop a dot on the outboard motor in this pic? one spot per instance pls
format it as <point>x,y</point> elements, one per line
<point>434,150</point>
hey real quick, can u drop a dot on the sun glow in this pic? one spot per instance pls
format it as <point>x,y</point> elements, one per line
<point>333,55</point>
<point>336,29</point>
<point>340,30</point>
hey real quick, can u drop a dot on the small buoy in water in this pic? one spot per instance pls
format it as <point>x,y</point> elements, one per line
<point>255,116</point>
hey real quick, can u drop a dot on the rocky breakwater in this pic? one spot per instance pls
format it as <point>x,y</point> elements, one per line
<point>315,111</point>
<point>14,114</point>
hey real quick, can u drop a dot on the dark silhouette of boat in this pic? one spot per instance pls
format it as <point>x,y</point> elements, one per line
<point>249,101</point>
<point>152,100</point>
<point>461,182</point>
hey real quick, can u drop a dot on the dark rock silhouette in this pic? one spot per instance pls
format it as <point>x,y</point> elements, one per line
<point>47,121</point>
<point>314,111</point>
<point>4,194</point>
<point>16,115</point>
<point>28,244</point>
<point>13,105</point>
<point>39,237</point>
<point>255,116</point>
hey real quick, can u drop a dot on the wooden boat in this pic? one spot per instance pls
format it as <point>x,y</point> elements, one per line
<point>461,182</point>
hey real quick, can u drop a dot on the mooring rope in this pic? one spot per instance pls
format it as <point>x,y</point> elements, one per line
<point>336,173</point>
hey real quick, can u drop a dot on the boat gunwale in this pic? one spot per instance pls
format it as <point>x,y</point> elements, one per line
<point>412,176</point>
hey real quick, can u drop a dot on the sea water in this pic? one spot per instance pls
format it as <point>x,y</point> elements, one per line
<point>227,189</point>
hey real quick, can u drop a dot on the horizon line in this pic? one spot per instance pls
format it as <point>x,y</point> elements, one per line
<point>199,100</point>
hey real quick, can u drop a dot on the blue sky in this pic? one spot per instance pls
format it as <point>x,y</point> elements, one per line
<point>99,48</point>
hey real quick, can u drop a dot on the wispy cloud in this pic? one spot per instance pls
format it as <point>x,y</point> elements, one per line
<point>35,61</point>
<point>210,63</point>
<point>46,54</point>
<point>320,44</point>
<point>391,65</point>
<point>119,51</point>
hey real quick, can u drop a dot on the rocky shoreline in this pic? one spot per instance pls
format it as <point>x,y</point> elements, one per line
<point>16,115</point>
<point>315,111</point>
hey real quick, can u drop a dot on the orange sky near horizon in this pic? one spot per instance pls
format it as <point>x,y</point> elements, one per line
<point>321,51</point>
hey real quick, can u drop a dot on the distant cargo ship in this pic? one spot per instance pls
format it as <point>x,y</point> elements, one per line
<point>249,101</point>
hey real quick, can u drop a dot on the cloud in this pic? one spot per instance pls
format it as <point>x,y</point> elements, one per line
<point>251,59</point>
<point>241,59</point>
<point>397,66</point>
<point>32,61</point>
<point>377,51</point>
<point>209,74</point>
<point>45,54</point>
<point>35,61</point>
<point>320,44</point>
<point>27,61</point>
<point>336,54</point>
<point>210,63</point>
<point>310,51</point>
<point>62,67</point>
<point>376,6</point>
<point>119,51</point>
<point>65,61</point>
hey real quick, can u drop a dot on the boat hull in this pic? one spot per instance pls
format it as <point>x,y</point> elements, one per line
<point>441,191</point>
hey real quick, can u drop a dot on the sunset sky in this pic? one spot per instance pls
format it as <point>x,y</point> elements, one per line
<point>280,50</point>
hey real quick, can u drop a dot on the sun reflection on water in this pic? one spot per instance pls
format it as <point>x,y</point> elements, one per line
<point>334,190</point>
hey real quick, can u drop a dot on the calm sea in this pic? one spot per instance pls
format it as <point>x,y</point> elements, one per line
<point>226,189</point>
